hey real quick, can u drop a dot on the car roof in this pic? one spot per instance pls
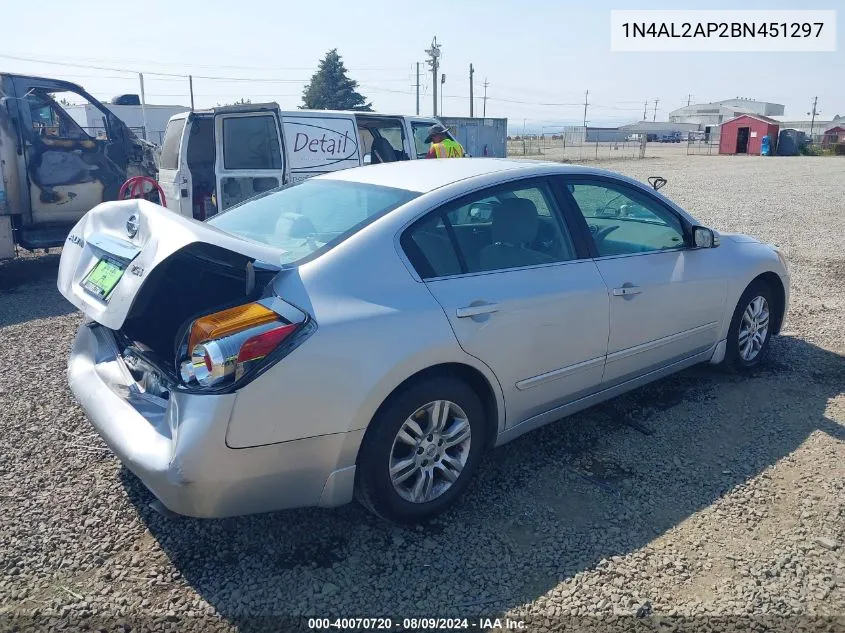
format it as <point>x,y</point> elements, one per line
<point>427,175</point>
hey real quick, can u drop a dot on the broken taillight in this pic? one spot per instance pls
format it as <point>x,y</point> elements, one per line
<point>224,346</point>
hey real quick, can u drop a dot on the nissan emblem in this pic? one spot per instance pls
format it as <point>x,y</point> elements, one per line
<point>132,224</point>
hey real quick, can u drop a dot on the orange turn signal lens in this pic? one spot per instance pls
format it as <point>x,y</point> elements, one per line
<point>227,322</point>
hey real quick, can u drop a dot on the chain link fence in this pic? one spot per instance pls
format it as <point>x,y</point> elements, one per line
<point>571,145</point>
<point>703,145</point>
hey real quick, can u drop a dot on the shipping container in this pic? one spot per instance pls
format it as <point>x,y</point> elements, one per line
<point>479,137</point>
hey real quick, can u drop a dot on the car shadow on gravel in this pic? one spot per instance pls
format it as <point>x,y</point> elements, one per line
<point>556,502</point>
<point>28,290</point>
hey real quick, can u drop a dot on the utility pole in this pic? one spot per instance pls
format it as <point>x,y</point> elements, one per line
<point>486,83</point>
<point>655,109</point>
<point>442,83</point>
<point>471,73</point>
<point>689,98</point>
<point>191,88</point>
<point>645,110</point>
<point>813,120</point>
<point>586,94</point>
<point>418,88</point>
<point>434,63</point>
<point>143,106</point>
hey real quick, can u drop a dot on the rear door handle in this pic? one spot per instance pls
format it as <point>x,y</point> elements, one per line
<point>470,311</point>
<point>626,291</point>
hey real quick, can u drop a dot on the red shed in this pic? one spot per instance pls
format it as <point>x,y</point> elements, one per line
<point>834,135</point>
<point>744,134</point>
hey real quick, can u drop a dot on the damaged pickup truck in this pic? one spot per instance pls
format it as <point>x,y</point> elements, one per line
<point>52,171</point>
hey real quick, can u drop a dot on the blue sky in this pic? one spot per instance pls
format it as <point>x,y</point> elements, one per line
<point>530,52</point>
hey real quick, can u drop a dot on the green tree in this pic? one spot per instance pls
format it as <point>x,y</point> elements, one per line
<point>331,89</point>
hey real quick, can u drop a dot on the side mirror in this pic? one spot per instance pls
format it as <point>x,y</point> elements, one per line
<point>703,237</point>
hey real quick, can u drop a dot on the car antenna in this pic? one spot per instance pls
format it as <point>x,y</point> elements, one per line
<point>657,181</point>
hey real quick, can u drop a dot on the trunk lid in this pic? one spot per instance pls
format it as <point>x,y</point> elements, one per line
<point>135,236</point>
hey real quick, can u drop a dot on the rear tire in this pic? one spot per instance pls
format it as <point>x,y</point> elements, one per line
<point>751,329</point>
<point>421,450</point>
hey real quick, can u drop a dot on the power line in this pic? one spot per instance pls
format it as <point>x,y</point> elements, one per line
<point>96,60</point>
<point>161,74</point>
<point>178,77</point>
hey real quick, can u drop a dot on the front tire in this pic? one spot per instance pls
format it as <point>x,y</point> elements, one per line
<point>751,329</point>
<point>421,451</point>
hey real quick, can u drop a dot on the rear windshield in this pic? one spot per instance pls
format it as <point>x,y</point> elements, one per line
<point>309,218</point>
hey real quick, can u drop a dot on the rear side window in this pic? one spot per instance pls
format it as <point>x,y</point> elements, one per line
<point>513,226</point>
<point>430,249</point>
<point>251,142</point>
<point>170,147</point>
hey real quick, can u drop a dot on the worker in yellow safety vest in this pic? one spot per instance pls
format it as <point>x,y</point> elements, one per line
<point>441,145</point>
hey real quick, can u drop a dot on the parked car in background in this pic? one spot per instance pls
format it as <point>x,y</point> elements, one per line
<point>673,137</point>
<point>372,332</point>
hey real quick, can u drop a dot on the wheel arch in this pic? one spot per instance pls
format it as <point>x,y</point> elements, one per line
<point>775,284</point>
<point>470,375</point>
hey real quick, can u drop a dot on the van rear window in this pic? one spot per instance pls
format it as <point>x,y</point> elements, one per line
<point>170,148</point>
<point>251,142</point>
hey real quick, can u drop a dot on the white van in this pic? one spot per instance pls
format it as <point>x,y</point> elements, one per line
<point>213,159</point>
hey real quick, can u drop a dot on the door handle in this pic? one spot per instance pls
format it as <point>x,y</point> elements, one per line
<point>626,291</point>
<point>470,311</point>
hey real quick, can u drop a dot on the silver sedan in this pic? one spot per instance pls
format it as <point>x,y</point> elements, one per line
<point>371,333</point>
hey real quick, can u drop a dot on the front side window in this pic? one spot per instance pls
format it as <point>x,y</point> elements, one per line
<point>623,221</point>
<point>310,217</point>
<point>251,142</point>
<point>50,120</point>
<point>420,134</point>
<point>420,129</point>
<point>514,227</point>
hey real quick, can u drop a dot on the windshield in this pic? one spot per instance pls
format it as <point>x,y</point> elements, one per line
<point>311,217</point>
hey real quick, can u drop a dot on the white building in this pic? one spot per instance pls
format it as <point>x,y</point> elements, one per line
<point>716,113</point>
<point>157,116</point>
<point>818,126</point>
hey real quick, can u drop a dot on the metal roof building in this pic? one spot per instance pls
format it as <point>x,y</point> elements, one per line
<point>717,112</point>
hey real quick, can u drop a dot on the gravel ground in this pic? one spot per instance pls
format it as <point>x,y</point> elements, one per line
<point>728,510</point>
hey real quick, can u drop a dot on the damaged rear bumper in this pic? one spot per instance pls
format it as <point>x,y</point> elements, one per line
<point>177,447</point>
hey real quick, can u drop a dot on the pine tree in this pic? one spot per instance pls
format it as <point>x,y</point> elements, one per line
<point>331,89</point>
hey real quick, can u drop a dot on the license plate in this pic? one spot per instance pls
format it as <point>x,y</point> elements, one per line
<point>102,279</point>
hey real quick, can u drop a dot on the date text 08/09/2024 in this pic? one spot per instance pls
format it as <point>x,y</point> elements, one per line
<point>414,624</point>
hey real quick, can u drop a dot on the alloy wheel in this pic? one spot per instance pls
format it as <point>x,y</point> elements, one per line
<point>430,451</point>
<point>753,328</point>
